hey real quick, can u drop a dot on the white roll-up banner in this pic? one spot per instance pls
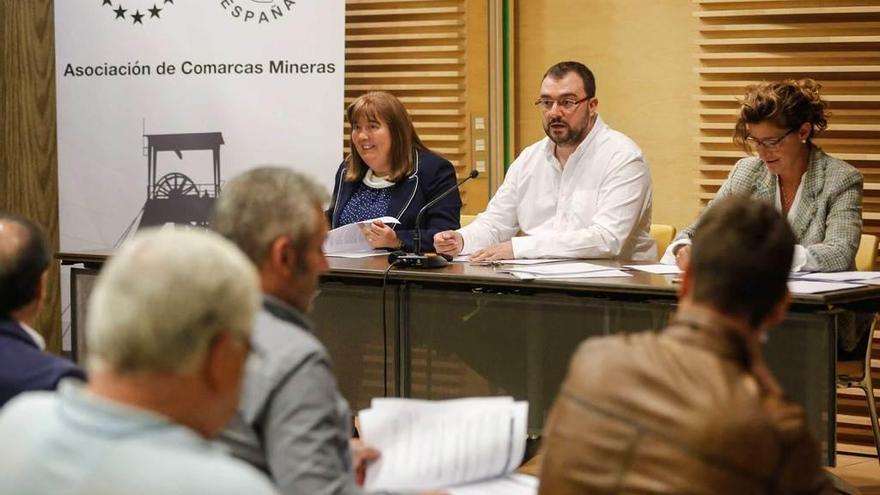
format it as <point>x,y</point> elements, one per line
<point>160,102</point>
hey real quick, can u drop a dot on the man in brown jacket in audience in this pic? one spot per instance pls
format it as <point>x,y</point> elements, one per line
<point>692,409</point>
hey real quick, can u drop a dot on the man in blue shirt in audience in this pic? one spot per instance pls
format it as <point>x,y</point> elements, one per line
<point>24,264</point>
<point>292,422</point>
<point>169,325</point>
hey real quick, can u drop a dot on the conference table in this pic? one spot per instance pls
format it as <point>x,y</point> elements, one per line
<point>465,330</point>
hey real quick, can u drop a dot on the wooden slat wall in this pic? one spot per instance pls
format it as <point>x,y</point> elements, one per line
<point>838,44</point>
<point>416,50</point>
<point>28,151</point>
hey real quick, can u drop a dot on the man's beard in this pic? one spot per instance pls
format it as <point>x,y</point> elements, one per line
<point>571,136</point>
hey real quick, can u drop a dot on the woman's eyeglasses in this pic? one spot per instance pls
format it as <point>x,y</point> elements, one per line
<point>769,143</point>
<point>566,104</point>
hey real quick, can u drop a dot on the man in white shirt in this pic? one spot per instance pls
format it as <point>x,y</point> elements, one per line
<point>584,191</point>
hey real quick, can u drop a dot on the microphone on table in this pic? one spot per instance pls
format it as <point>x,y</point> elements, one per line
<point>419,259</point>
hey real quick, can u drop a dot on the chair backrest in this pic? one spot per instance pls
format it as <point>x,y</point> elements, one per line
<point>663,236</point>
<point>466,219</point>
<point>866,256</point>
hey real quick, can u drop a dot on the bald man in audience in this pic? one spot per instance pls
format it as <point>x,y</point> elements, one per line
<point>24,266</point>
<point>692,409</point>
<point>168,328</point>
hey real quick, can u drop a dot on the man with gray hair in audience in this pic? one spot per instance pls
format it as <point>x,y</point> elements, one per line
<point>169,324</point>
<point>292,422</point>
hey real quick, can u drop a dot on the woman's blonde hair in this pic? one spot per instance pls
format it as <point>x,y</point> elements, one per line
<point>405,141</point>
<point>787,104</point>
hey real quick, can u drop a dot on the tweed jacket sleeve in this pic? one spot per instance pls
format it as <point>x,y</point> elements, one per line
<point>828,220</point>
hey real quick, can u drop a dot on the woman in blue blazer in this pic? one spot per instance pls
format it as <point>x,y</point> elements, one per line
<point>390,172</point>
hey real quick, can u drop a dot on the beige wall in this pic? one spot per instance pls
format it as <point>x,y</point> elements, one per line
<point>643,55</point>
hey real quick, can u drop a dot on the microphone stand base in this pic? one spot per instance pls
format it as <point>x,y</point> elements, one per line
<point>430,260</point>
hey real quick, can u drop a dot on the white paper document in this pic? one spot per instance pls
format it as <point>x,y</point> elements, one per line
<point>560,268</point>
<point>817,287</point>
<point>428,445</point>
<point>465,258</point>
<point>512,484</point>
<point>349,239</point>
<point>657,269</point>
<point>840,276</point>
<point>600,274</point>
<point>376,252</point>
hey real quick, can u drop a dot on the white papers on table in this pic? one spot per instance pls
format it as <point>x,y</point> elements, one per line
<point>377,252</point>
<point>564,270</point>
<point>815,287</point>
<point>841,276</point>
<point>350,239</point>
<point>512,484</point>
<point>429,445</point>
<point>521,262</point>
<point>656,269</point>
<point>560,269</point>
<point>600,274</point>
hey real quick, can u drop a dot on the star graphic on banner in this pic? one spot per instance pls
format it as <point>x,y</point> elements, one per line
<point>107,2</point>
<point>137,16</point>
<point>154,12</point>
<point>120,12</point>
<point>169,1</point>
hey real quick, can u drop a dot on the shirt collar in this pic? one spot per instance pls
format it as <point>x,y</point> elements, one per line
<point>37,338</point>
<point>100,416</point>
<point>286,312</point>
<point>714,332</point>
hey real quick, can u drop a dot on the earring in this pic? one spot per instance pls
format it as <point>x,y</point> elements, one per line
<point>803,141</point>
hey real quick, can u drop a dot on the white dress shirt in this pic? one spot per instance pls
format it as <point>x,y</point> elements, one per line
<point>598,206</point>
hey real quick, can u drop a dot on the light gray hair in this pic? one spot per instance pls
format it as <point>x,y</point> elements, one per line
<point>164,296</point>
<point>258,206</point>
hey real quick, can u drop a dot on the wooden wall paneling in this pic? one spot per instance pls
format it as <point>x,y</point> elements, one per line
<point>836,43</point>
<point>28,149</point>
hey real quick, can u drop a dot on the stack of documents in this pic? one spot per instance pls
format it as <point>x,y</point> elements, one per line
<point>564,270</point>
<point>349,241</point>
<point>815,283</point>
<point>523,261</point>
<point>656,269</point>
<point>461,446</point>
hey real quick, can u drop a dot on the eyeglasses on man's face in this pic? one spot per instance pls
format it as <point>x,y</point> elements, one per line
<point>769,143</point>
<point>567,104</point>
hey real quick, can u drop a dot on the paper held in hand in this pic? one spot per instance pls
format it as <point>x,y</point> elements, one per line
<point>349,240</point>
<point>429,445</point>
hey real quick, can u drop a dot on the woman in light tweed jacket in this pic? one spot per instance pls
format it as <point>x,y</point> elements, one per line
<point>820,195</point>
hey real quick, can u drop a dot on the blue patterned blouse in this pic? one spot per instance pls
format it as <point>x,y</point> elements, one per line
<point>365,203</point>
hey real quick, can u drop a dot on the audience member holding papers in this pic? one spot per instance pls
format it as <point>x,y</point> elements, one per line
<point>390,172</point>
<point>584,191</point>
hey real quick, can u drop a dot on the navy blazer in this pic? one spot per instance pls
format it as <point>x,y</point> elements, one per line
<point>24,367</point>
<point>431,176</point>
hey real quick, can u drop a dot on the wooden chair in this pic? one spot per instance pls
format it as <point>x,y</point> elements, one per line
<point>866,256</point>
<point>663,236</point>
<point>467,219</point>
<point>857,374</point>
